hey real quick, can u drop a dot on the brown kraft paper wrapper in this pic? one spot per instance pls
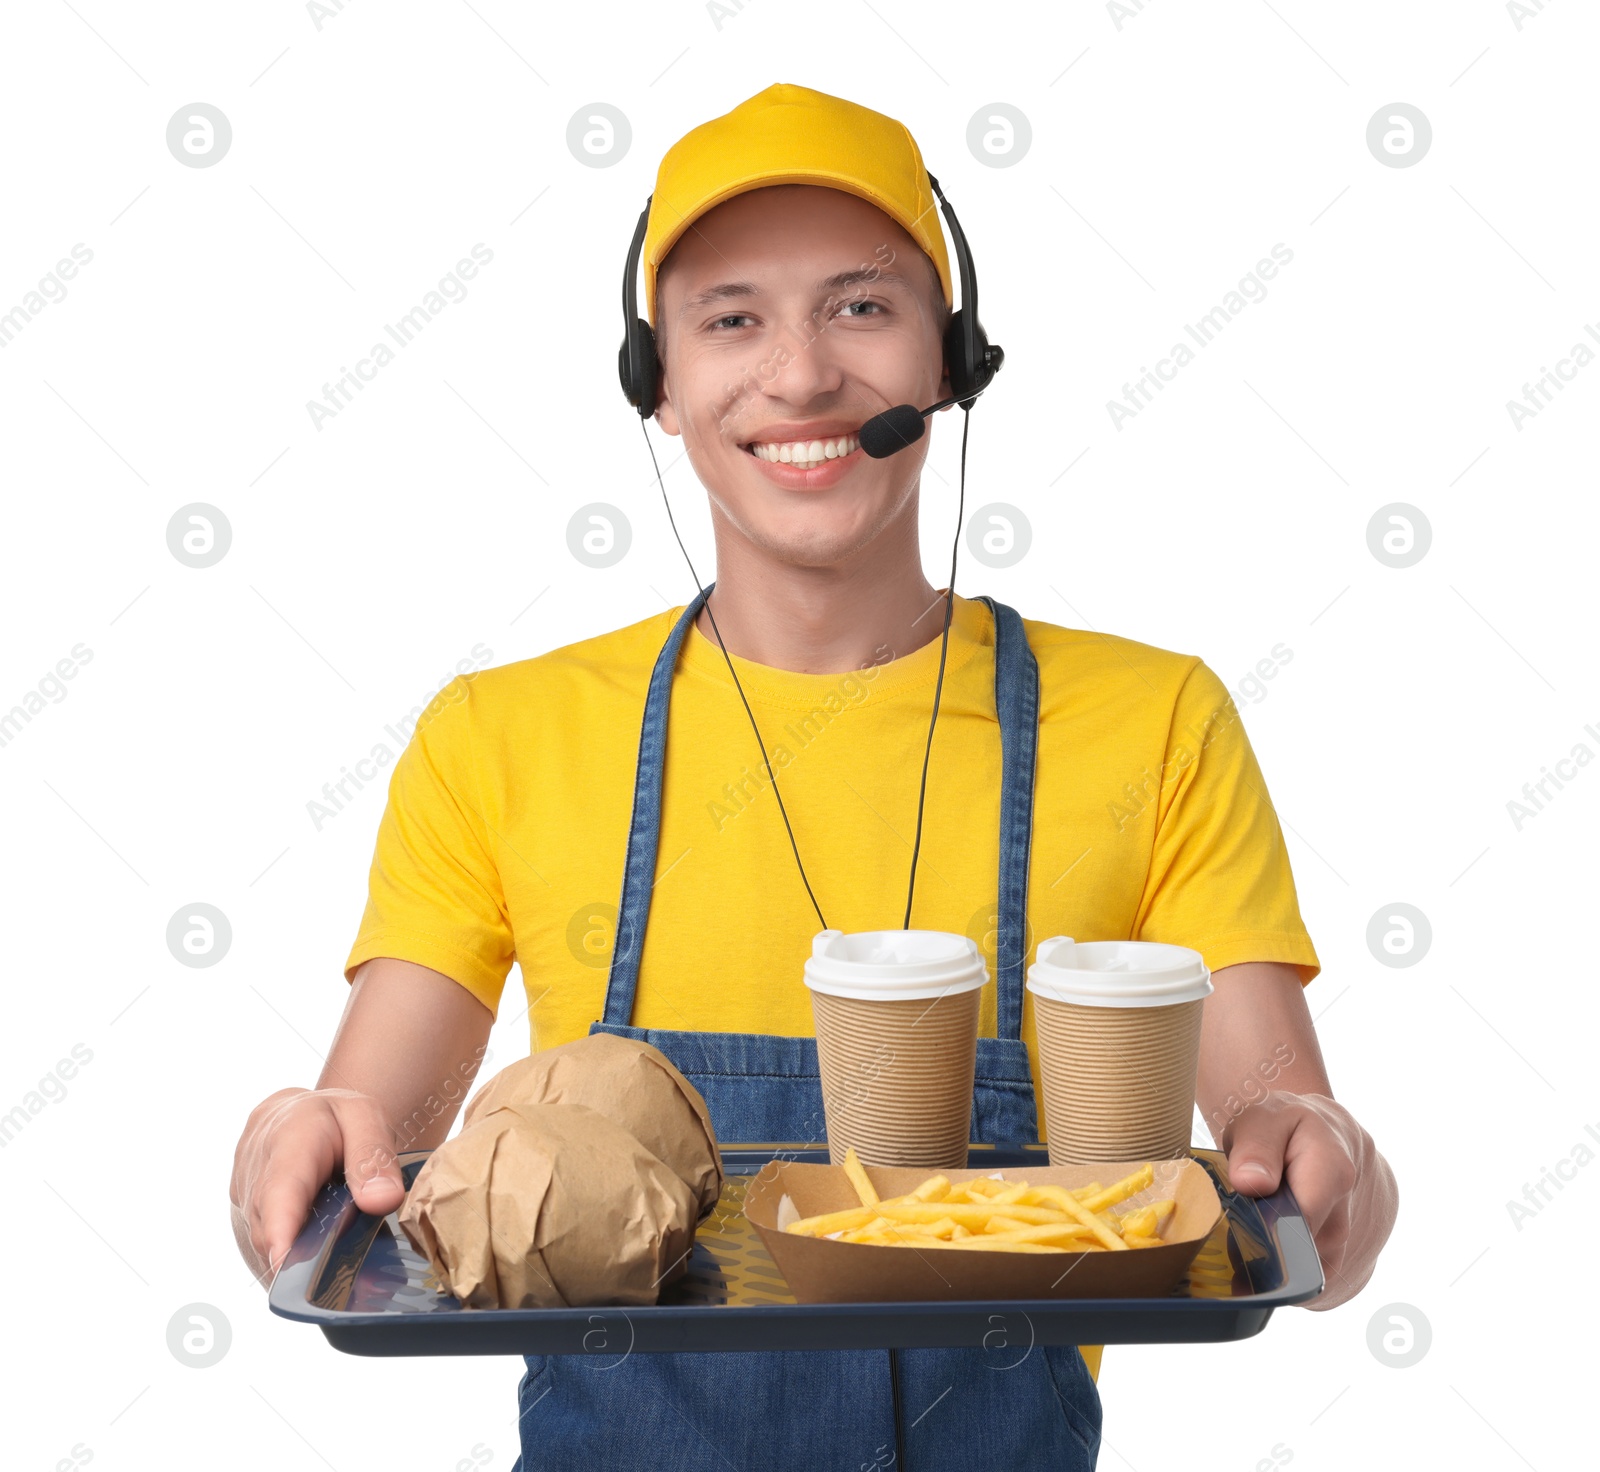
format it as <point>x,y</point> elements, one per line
<point>632,1084</point>
<point>550,1206</point>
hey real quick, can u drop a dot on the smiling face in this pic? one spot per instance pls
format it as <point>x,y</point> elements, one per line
<point>787,317</point>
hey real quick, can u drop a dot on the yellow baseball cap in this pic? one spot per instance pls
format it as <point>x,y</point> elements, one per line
<point>793,135</point>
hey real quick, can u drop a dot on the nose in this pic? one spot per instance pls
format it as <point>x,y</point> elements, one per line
<point>809,368</point>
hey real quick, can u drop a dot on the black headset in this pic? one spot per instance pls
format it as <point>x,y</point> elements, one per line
<point>972,360</point>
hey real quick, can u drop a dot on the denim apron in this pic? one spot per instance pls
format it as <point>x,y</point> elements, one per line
<point>821,1410</point>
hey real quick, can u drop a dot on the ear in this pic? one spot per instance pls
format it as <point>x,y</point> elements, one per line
<point>666,415</point>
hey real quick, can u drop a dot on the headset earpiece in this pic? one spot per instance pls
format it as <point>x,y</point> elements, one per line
<point>972,365</point>
<point>969,356</point>
<point>965,360</point>
<point>637,365</point>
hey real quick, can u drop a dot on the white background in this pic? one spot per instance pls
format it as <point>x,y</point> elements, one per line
<point>1169,154</point>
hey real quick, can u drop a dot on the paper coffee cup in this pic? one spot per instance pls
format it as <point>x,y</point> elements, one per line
<point>1119,1046</point>
<point>897,1038</point>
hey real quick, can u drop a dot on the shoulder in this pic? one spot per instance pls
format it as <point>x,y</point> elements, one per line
<point>617,656</point>
<point>1112,667</point>
<point>587,677</point>
<point>1121,695</point>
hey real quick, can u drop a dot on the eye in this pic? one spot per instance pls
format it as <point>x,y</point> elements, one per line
<point>868,308</point>
<point>732,322</point>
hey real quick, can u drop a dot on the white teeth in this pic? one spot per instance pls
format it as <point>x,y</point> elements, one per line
<point>807,454</point>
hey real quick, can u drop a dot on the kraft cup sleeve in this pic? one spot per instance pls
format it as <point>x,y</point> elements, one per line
<point>897,1077</point>
<point>550,1206</point>
<point>632,1084</point>
<point>1117,1082</point>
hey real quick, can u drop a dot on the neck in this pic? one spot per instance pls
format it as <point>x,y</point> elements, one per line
<point>822,620</point>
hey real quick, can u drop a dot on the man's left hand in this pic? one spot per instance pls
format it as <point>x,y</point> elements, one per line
<point>1344,1187</point>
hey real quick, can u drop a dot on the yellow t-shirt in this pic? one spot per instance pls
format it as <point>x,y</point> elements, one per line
<point>508,816</point>
<point>508,813</point>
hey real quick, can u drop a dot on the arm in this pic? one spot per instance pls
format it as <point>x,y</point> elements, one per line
<point>1268,1103</point>
<point>403,1059</point>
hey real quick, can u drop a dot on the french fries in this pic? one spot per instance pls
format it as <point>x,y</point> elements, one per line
<point>988,1215</point>
<point>858,1178</point>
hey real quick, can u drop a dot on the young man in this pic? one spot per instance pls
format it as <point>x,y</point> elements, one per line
<point>798,281</point>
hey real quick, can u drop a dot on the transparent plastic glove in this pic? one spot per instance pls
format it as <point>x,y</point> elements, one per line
<point>292,1142</point>
<point>1344,1187</point>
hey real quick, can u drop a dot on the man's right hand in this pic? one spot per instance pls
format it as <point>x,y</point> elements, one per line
<point>292,1143</point>
<point>410,1042</point>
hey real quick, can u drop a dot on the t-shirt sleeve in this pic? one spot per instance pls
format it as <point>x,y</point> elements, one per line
<point>1220,879</point>
<point>434,894</point>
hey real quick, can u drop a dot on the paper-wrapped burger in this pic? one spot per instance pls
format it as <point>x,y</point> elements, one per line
<point>577,1178</point>
<point>549,1206</point>
<point>629,1082</point>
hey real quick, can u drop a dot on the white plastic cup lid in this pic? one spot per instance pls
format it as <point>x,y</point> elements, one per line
<point>894,965</point>
<point>1118,973</point>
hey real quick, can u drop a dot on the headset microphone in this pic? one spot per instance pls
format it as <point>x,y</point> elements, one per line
<point>901,427</point>
<point>894,430</point>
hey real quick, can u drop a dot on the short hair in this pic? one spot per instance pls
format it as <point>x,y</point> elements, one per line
<point>941,308</point>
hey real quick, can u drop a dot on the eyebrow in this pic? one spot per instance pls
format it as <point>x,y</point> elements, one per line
<point>736,290</point>
<point>863,273</point>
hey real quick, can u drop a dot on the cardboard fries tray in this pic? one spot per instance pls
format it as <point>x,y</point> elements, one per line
<point>819,1270</point>
<point>358,1279</point>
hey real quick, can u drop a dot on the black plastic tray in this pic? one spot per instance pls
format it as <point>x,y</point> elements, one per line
<point>357,1278</point>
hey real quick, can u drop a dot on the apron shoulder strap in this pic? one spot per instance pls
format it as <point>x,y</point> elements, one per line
<point>1016,702</point>
<point>644,830</point>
